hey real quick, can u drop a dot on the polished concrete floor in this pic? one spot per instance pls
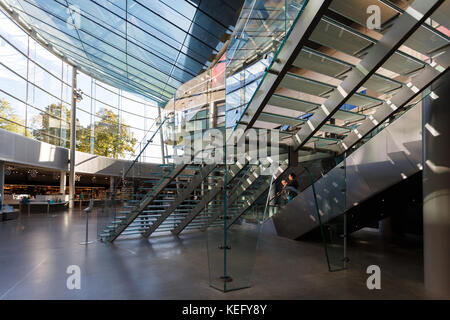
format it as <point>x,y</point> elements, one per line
<point>35,252</point>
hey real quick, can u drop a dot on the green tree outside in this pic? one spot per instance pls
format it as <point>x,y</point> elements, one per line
<point>112,139</point>
<point>9,120</point>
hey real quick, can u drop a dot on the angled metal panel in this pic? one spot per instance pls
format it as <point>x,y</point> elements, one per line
<point>284,120</point>
<point>275,118</point>
<point>334,129</point>
<point>402,64</point>
<point>352,9</point>
<point>348,115</point>
<point>321,63</point>
<point>441,15</point>
<point>318,88</point>
<point>333,36</point>
<point>425,41</point>
<point>363,101</point>
<point>382,84</point>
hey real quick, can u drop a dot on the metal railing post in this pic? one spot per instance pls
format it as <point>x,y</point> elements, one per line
<point>87,210</point>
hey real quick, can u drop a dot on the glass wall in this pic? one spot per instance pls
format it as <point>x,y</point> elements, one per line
<point>35,97</point>
<point>241,86</point>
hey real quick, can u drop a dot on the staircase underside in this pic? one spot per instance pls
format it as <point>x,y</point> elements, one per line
<point>328,64</point>
<point>393,155</point>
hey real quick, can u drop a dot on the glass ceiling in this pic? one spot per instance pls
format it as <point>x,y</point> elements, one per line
<point>149,47</point>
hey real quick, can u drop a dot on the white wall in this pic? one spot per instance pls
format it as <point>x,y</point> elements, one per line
<point>18,149</point>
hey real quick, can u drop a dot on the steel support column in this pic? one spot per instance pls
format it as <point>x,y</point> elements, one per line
<point>62,182</point>
<point>2,183</point>
<point>161,139</point>
<point>436,187</point>
<point>73,135</point>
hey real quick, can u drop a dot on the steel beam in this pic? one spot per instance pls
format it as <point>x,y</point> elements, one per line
<point>232,199</point>
<point>151,195</point>
<point>210,195</point>
<point>296,39</point>
<point>186,192</point>
<point>431,73</point>
<point>310,16</point>
<point>73,138</point>
<point>402,29</point>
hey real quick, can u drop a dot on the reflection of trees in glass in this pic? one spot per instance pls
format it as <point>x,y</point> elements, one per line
<point>112,139</point>
<point>15,124</point>
<point>54,130</point>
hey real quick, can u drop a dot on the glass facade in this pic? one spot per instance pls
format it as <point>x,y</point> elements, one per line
<point>241,86</point>
<point>147,47</point>
<point>35,96</point>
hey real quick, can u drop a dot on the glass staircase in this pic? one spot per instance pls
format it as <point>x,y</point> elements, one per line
<point>312,71</point>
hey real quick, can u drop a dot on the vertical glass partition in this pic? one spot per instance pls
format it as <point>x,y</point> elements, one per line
<point>320,205</point>
<point>243,230</point>
<point>232,244</point>
<point>259,35</point>
<point>329,196</point>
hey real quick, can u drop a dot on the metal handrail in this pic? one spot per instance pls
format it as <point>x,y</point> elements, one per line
<point>124,175</point>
